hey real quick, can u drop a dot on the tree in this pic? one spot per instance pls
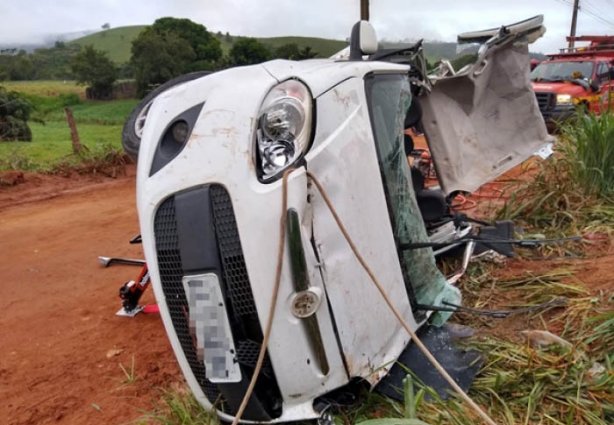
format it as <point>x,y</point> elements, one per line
<point>307,53</point>
<point>54,63</point>
<point>248,51</point>
<point>206,47</point>
<point>94,68</point>
<point>105,26</point>
<point>157,58</point>
<point>14,115</point>
<point>171,47</point>
<point>287,51</point>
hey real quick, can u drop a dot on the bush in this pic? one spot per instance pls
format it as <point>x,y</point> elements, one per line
<point>15,112</point>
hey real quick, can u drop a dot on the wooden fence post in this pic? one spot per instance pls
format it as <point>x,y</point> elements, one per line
<point>74,135</point>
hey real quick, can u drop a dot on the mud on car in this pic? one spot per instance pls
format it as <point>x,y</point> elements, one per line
<point>223,157</point>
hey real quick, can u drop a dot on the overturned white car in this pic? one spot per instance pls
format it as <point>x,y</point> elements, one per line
<point>210,164</point>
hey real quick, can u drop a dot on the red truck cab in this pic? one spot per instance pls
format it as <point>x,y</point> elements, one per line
<point>579,76</point>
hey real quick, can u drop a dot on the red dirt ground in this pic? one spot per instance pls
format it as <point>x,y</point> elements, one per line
<point>57,325</point>
<point>58,328</point>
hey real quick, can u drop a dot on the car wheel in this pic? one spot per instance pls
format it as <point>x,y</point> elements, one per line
<point>133,127</point>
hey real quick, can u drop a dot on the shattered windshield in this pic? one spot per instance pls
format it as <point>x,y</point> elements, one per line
<point>563,71</point>
<point>389,97</point>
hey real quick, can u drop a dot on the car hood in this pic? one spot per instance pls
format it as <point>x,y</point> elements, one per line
<point>559,87</point>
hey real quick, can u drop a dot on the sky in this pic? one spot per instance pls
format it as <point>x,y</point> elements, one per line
<point>30,21</point>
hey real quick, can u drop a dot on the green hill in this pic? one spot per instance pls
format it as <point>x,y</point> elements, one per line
<point>117,42</point>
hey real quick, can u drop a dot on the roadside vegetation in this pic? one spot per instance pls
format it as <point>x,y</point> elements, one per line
<point>99,124</point>
<point>573,191</point>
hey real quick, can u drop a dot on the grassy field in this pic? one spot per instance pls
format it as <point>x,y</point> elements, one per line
<point>51,144</point>
<point>117,42</point>
<point>45,88</point>
<point>99,125</point>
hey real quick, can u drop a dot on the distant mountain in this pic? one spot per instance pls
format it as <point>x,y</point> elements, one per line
<point>46,41</point>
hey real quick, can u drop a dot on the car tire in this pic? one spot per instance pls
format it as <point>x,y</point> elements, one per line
<point>133,127</point>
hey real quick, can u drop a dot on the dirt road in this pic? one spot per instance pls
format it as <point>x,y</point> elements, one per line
<point>61,345</point>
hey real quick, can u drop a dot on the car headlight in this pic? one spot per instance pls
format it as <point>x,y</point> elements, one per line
<point>563,99</point>
<point>284,128</point>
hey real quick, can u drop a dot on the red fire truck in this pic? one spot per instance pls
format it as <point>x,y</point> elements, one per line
<point>577,76</point>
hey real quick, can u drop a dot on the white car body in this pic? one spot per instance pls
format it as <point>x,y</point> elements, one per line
<point>207,217</point>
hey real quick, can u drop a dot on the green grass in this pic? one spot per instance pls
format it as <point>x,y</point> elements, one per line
<point>588,145</point>
<point>51,144</point>
<point>97,112</point>
<point>573,191</point>
<point>116,42</point>
<point>45,88</point>
<point>99,124</point>
<point>179,408</point>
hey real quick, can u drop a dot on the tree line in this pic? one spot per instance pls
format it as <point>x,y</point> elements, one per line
<point>164,50</point>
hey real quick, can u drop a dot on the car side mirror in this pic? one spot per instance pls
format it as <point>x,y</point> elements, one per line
<point>612,73</point>
<point>594,85</point>
<point>363,40</point>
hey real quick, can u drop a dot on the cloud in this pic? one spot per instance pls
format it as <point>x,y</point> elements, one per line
<point>27,20</point>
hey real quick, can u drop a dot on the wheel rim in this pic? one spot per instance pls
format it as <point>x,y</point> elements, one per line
<point>139,123</point>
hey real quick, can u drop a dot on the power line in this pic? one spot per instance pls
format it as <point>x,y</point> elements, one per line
<point>590,9</point>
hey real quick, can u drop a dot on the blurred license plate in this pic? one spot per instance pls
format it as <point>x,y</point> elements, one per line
<point>210,328</point>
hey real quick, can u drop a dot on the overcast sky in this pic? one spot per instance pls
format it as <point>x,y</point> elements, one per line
<point>26,21</point>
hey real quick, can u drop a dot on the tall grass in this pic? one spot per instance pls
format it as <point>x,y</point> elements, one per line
<point>572,191</point>
<point>588,146</point>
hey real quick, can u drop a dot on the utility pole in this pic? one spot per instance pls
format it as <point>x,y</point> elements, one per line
<point>364,10</point>
<point>574,21</point>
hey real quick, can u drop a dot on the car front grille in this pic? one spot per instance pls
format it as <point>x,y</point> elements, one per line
<point>545,100</point>
<point>241,308</point>
<point>233,264</point>
<point>171,274</point>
